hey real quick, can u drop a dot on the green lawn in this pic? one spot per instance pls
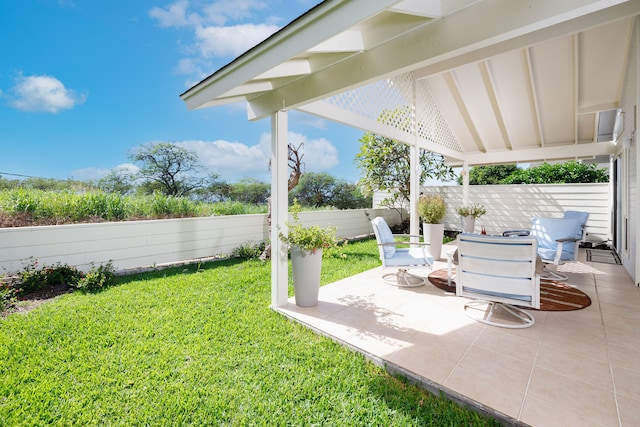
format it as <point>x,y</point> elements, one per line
<point>198,348</point>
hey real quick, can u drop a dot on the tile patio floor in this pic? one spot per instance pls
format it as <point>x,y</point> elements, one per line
<point>575,368</point>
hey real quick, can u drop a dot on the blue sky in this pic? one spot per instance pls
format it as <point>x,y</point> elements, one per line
<point>84,82</point>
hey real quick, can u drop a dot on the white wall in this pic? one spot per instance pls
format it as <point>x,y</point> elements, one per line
<point>139,244</point>
<point>511,207</point>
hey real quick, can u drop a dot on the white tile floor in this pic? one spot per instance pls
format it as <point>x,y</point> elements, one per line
<point>571,368</point>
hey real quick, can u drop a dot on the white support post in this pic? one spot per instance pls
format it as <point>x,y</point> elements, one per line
<point>279,208</point>
<point>414,191</point>
<point>465,184</point>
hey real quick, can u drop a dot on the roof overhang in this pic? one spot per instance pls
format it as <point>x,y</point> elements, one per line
<point>513,81</point>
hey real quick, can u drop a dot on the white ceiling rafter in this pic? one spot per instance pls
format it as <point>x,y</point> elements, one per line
<point>534,99</point>
<point>293,67</point>
<point>347,41</point>
<point>419,8</point>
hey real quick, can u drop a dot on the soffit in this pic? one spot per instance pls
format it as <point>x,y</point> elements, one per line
<point>528,84</point>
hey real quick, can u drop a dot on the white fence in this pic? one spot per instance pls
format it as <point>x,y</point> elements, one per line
<point>139,244</point>
<point>511,207</point>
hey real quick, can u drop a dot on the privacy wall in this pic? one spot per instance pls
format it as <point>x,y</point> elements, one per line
<point>139,244</point>
<point>511,207</point>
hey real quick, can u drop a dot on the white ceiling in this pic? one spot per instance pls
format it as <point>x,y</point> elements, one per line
<point>515,80</point>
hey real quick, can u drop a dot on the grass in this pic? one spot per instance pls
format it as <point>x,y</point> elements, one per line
<point>198,347</point>
<point>59,207</point>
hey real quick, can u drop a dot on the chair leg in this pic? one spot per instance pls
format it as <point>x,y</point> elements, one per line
<point>402,278</point>
<point>487,310</point>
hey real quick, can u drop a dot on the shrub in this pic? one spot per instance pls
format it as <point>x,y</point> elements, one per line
<point>7,295</point>
<point>432,208</point>
<point>249,250</point>
<point>98,278</point>
<point>33,279</point>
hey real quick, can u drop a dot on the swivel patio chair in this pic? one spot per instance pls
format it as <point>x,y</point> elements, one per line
<point>403,255</point>
<point>558,239</point>
<point>498,273</point>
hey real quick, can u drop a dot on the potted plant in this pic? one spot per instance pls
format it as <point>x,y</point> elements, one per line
<point>469,215</point>
<point>306,244</point>
<point>432,209</point>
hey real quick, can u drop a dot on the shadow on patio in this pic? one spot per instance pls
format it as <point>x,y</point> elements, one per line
<point>571,368</point>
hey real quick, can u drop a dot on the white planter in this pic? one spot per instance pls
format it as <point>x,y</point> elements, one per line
<point>306,266</point>
<point>468,224</point>
<point>433,235</point>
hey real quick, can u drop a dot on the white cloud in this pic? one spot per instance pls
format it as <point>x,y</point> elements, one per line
<point>43,94</point>
<point>175,15</point>
<point>231,160</point>
<point>218,12</point>
<point>235,160</point>
<point>98,173</point>
<point>222,28</point>
<point>319,154</point>
<point>231,40</point>
<point>87,174</point>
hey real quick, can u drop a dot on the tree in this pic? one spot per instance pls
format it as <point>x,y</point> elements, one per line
<point>489,175</point>
<point>348,196</point>
<point>557,173</point>
<point>250,190</point>
<point>295,155</point>
<point>119,180</point>
<point>314,189</point>
<point>322,190</point>
<point>385,165</point>
<point>216,190</point>
<point>174,170</point>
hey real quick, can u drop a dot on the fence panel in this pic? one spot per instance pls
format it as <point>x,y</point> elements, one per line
<point>140,244</point>
<point>511,207</point>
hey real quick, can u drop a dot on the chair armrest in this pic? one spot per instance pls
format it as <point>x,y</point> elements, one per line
<point>404,243</point>
<point>567,239</point>
<point>407,235</point>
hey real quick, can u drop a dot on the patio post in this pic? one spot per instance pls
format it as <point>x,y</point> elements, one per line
<point>279,208</point>
<point>465,183</point>
<point>414,191</point>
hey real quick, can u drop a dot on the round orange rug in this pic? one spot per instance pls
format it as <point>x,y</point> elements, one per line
<point>554,295</point>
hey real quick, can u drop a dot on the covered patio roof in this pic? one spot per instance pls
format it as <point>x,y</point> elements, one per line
<point>477,81</point>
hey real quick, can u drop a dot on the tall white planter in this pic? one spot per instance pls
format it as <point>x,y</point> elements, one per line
<point>468,224</point>
<point>306,266</point>
<point>433,235</point>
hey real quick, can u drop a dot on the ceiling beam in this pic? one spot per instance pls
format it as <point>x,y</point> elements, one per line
<point>419,8</point>
<point>293,67</point>
<point>535,107</point>
<point>331,112</point>
<point>441,44</point>
<point>347,41</point>
<point>573,151</point>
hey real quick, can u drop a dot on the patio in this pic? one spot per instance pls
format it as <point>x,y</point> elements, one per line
<point>570,368</point>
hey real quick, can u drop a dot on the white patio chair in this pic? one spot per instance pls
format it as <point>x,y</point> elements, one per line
<point>402,255</point>
<point>559,240</point>
<point>498,273</point>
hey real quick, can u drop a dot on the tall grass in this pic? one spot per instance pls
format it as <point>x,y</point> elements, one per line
<point>198,347</point>
<point>59,207</point>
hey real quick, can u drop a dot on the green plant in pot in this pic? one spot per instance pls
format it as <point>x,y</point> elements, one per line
<point>469,215</point>
<point>306,244</point>
<point>432,208</point>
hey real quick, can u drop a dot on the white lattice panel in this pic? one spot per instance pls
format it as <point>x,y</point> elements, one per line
<point>432,125</point>
<point>390,102</point>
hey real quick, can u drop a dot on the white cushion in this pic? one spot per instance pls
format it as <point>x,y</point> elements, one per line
<point>384,235</point>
